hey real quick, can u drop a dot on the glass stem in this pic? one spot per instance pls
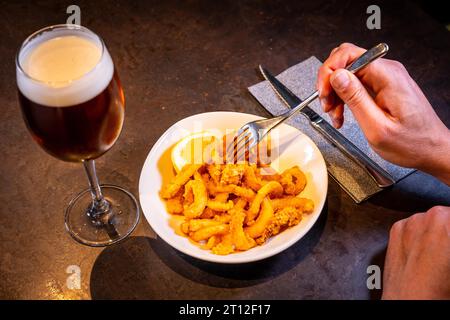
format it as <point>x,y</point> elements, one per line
<point>100,206</point>
<point>96,192</point>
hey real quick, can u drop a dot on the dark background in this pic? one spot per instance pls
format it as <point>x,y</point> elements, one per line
<point>176,59</point>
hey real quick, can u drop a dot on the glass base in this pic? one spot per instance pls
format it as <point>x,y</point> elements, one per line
<point>119,219</point>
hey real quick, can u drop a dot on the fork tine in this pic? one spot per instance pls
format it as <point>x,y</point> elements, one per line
<point>249,143</point>
<point>243,148</point>
<point>237,139</point>
<point>243,139</point>
<point>231,156</point>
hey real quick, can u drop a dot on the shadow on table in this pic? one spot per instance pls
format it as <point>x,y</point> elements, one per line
<point>132,270</point>
<point>417,192</point>
<point>123,271</point>
<point>247,274</point>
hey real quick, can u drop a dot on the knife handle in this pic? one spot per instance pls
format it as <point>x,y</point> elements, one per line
<point>378,174</point>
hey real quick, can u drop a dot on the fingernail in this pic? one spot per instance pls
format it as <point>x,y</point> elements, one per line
<point>340,80</point>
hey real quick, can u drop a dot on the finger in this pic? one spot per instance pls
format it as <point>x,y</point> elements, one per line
<point>336,103</point>
<point>394,261</point>
<point>414,227</point>
<point>340,57</point>
<point>333,51</point>
<point>353,93</point>
<point>326,93</point>
<point>337,115</point>
<point>345,54</point>
<point>375,76</point>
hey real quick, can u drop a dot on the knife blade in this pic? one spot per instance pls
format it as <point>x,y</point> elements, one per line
<point>378,174</point>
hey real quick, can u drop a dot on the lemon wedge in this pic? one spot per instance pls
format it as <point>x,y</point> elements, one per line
<point>196,148</point>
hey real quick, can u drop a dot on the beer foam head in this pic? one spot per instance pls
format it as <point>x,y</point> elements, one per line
<point>63,67</point>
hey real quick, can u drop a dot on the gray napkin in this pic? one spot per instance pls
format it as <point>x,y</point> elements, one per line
<point>300,79</point>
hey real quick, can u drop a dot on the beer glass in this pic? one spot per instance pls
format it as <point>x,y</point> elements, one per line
<point>73,105</point>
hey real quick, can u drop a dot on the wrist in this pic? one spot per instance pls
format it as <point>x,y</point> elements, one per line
<point>438,164</point>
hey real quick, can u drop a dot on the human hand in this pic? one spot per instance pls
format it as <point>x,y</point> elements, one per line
<point>418,257</point>
<point>394,114</point>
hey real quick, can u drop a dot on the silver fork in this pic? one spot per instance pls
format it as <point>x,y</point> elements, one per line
<point>250,134</point>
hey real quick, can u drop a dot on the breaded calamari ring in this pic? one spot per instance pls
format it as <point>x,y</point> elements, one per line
<point>185,227</point>
<point>220,202</point>
<point>223,249</point>
<point>208,213</point>
<point>303,204</point>
<point>210,243</point>
<point>250,178</point>
<point>232,174</point>
<point>264,219</point>
<point>180,180</point>
<point>221,197</point>
<point>234,189</point>
<point>225,246</point>
<point>272,187</point>
<point>241,240</point>
<point>245,193</point>
<point>196,208</point>
<point>215,171</point>
<point>293,181</point>
<point>215,189</point>
<point>220,206</point>
<point>223,218</point>
<point>174,205</point>
<point>286,217</point>
<point>240,203</point>
<point>208,232</point>
<point>279,220</point>
<point>197,224</point>
<point>188,196</point>
<point>295,215</point>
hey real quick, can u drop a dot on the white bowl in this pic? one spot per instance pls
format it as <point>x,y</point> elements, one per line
<point>295,149</point>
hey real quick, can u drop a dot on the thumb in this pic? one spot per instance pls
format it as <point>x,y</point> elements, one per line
<point>348,87</point>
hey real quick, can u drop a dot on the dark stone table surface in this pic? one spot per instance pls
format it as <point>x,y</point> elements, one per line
<point>176,59</point>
